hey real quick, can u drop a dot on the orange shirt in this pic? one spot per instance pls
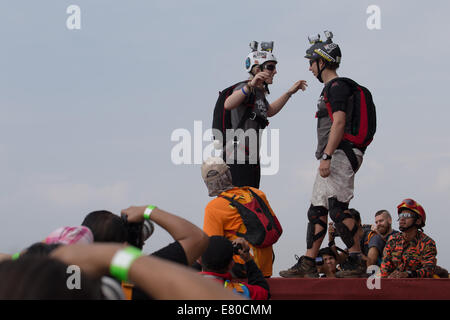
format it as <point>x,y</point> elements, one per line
<point>221,219</point>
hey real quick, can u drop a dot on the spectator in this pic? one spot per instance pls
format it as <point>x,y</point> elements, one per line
<point>70,235</point>
<point>409,253</point>
<point>159,278</point>
<point>217,261</point>
<point>375,239</point>
<point>110,289</point>
<point>190,241</point>
<point>222,219</point>
<point>38,277</point>
<point>63,235</point>
<point>327,263</point>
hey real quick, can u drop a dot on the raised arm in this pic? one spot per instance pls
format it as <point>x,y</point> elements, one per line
<point>278,104</point>
<point>193,240</point>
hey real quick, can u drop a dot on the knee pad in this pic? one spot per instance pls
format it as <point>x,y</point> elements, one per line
<point>338,213</point>
<point>337,210</point>
<point>314,214</point>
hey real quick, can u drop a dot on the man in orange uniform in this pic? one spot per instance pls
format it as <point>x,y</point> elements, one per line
<point>410,253</point>
<point>223,219</point>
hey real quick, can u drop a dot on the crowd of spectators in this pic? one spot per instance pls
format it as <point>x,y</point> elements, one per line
<point>200,264</point>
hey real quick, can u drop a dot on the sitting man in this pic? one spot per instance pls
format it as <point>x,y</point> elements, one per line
<point>326,262</point>
<point>375,239</point>
<point>236,212</point>
<point>217,261</point>
<point>410,253</point>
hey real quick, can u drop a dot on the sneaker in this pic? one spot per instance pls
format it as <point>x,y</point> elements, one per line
<point>304,268</point>
<point>353,267</point>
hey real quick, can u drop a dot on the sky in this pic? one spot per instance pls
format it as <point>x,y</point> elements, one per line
<point>87,115</point>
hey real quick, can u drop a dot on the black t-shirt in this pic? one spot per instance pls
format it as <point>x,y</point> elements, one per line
<point>173,252</point>
<point>338,95</point>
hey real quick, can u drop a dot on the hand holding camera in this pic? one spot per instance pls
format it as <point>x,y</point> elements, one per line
<point>134,214</point>
<point>240,247</point>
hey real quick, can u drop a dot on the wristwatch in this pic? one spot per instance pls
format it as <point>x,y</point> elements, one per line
<point>326,156</point>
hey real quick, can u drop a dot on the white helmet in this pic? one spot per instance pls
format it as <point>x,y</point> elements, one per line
<point>259,57</point>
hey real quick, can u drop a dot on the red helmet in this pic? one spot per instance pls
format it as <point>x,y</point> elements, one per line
<point>410,204</point>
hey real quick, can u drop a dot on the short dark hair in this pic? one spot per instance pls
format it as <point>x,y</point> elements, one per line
<point>380,212</point>
<point>43,278</point>
<point>218,255</point>
<point>106,226</point>
<point>326,251</point>
<point>355,215</point>
<point>40,249</point>
<point>330,65</point>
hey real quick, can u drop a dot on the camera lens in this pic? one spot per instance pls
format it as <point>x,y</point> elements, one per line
<point>236,248</point>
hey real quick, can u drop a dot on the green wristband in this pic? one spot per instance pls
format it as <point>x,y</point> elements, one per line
<point>121,262</point>
<point>148,211</point>
<point>15,256</point>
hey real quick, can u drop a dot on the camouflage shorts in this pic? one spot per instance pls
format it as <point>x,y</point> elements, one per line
<point>340,182</point>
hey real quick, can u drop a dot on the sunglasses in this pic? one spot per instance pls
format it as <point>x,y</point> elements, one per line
<point>270,67</point>
<point>311,62</point>
<point>406,215</point>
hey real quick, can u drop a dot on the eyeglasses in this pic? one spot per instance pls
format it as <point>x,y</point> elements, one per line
<point>311,62</point>
<point>270,67</point>
<point>406,215</point>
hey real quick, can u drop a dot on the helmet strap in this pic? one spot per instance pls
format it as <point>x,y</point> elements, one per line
<point>319,75</point>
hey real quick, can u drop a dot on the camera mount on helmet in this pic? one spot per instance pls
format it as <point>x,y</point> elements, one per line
<point>254,46</point>
<point>267,46</point>
<point>259,57</point>
<point>328,51</point>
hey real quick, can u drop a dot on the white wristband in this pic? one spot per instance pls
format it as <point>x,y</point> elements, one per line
<point>148,211</point>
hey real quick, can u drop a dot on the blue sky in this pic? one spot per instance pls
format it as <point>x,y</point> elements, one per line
<point>86,115</point>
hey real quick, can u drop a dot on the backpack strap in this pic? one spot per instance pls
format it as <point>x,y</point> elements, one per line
<point>248,110</point>
<point>347,147</point>
<point>344,145</point>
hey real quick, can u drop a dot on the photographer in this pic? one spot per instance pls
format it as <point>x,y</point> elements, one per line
<point>133,228</point>
<point>217,262</point>
<point>190,241</point>
<point>326,263</point>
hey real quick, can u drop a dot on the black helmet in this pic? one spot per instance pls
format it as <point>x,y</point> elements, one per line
<point>328,50</point>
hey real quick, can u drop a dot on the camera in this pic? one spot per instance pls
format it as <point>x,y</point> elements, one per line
<point>254,46</point>
<point>137,233</point>
<point>267,46</point>
<point>236,248</point>
<point>314,39</point>
<point>319,261</point>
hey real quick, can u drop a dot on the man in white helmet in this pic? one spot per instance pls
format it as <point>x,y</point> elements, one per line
<point>250,110</point>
